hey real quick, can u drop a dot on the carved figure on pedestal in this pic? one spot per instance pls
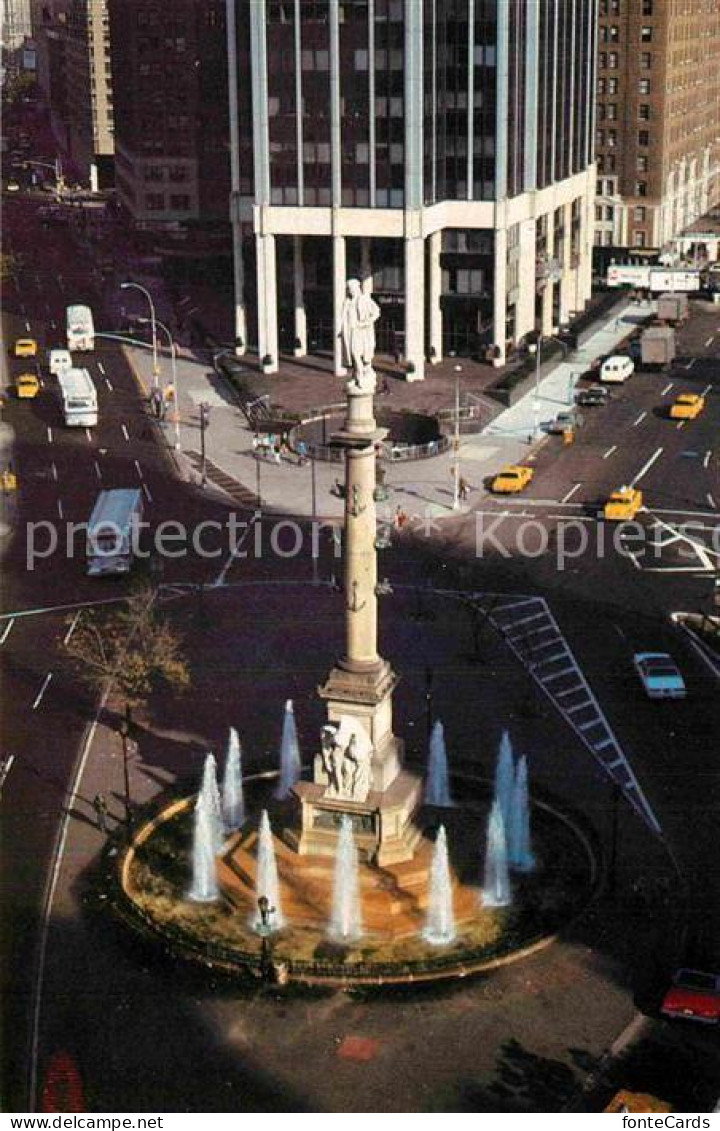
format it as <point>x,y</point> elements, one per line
<point>360,312</point>
<point>347,757</point>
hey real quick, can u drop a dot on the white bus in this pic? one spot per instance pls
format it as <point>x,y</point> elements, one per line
<point>79,398</point>
<point>655,279</point>
<point>80,328</point>
<point>113,530</point>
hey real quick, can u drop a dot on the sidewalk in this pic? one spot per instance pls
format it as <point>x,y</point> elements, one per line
<point>422,488</point>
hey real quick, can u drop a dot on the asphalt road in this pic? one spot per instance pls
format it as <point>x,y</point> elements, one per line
<point>607,608</point>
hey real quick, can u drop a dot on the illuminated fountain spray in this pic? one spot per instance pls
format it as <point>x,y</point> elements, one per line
<point>233,801</point>
<point>505,777</point>
<point>519,845</point>
<point>440,922</point>
<point>267,884</point>
<point>496,888</point>
<point>207,837</point>
<point>290,764</point>
<point>346,918</point>
<point>437,783</point>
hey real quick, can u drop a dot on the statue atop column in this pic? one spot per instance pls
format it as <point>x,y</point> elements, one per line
<point>360,312</point>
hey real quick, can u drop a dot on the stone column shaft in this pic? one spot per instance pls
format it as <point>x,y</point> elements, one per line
<point>435,289</point>
<point>500,294</point>
<point>300,346</point>
<point>339,284</point>
<point>267,301</point>
<point>360,558</point>
<point>415,306</point>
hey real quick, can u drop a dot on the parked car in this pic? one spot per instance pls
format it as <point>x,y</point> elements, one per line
<point>659,675</point>
<point>567,421</point>
<point>593,397</point>
<point>27,386</point>
<point>623,505</point>
<point>615,370</point>
<point>687,406</point>
<point>25,347</point>
<point>512,480</point>
<point>694,994</point>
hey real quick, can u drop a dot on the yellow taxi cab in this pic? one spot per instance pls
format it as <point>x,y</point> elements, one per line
<point>636,1102</point>
<point>687,406</point>
<point>8,480</point>
<point>511,480</point>
<point>623,505</point>
<point>26,347</point>
<point>27,386</point>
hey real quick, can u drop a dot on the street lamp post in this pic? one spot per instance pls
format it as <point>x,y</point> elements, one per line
<point>153,322</point>
<point>456,441</point>
<point>204,420</point>
<point>173,364</point>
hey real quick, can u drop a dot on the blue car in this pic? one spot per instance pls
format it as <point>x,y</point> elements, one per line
<point>659,675</point>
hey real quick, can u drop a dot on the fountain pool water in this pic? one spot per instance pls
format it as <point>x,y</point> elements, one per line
<point>440,922</point>
<point>520,853</point>
<point>505,777</point>
<point>346,918</point>
<point>290,764</point>
<point>496,889</point>
<point>207,837</point>
<point>233,801</point>
<point>437,782</point>
<point>267,883</point>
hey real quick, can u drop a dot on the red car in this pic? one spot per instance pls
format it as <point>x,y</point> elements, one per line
<point>694,994</point>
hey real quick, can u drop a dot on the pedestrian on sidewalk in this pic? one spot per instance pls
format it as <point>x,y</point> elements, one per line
<point>277,454</point>
<point>463,488</point>
<point>302,453</point>
<point>101,811</point>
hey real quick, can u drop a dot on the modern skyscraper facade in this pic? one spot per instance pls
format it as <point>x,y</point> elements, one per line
<point>442,148</point>
<point>658,127</point>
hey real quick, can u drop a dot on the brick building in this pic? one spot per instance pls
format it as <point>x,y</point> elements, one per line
<point>658,119</point>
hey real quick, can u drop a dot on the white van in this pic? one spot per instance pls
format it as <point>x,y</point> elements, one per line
<point>115,519</point>
<point>79,398</point>
<point>59,361</point>
<point>80,328</point>
<point>615,370</point>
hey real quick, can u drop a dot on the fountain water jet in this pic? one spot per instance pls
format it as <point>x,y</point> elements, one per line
<point>520,854</point>
<point>233,800</point>
<point>290,764</point>
<point>505,777</point>
<point>207,837</point>
<point>496,889</point>
<point>267,883</point>
<point>437,782</point>
<point>346,919</point>
<point>440,922</point>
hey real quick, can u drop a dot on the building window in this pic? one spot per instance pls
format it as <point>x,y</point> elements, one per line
<point>155,202</point>
<point>641,188</point>
<point>646,34</point>
<point>180,203</point>
<point>602,60</point>
<point>639,240</point>
<point>612,138</point>
<point>601,86</point>
<point>645,60</point>
<point>361,60</point>
<point>643,137</point>
<point>612,112</point>
<point>177,173</point>
<point>644,111</point>
<point>643,86</point>
<point>639,213</point>
<point>613,86</point>
<point>642,164</point>
<point>647,7</point>
<point>613,60</point>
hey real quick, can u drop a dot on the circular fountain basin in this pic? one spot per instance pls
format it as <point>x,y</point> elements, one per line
<point>154,875</point>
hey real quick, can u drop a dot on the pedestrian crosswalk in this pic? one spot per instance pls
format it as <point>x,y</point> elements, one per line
<point>532,633</point>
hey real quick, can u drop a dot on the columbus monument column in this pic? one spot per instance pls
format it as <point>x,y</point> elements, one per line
<point>359,771</point>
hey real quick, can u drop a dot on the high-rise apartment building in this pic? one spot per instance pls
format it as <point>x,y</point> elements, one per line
<point>171,110</point>
<point>658,119</point>
<point>442,148</point>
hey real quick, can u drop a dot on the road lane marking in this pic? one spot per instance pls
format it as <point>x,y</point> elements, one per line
<point>146,489</point>
<point>640,419</point>
<point>571,492</point>
<point>138,468</point>
<point>709,342</point>
<point>88,433</point>
<point>644,470</point>
<point>72,627</point>
<point>7,630</point>
<point>101,367</point>
<point>49,434</point>
<point>706,390</point>
<point>60,508</point>
<point>610,451</point>
<point>109,384</point>
<point>706,461</point>
<point>53,324</point>
<point>27,326</point>
<point>98,472</point>
<point>690,363</point>
<point>125,432</point>
<point>667,389</point>
<point>41,692</point>
<point>5,769</point>
<point>54,471</point>
<point>220,579</point>
<point>709,498</point>
<point>681,425</point>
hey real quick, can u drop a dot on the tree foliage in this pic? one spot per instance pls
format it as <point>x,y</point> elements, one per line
<point>135,648</point>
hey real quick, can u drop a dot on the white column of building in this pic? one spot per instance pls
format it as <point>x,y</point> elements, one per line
<point>435,292</point>
<point>500,294</point>
<point>549,287</point>
<point>235,224</point>
<point>267,301</point>
<point>525,306</point>
<point>588,235</point>
<point>264,241</point>
<point>300,346</point>
<point>567,284</point>
<point>414,242</point>
<point>366,268</point>
<point>339,270</point>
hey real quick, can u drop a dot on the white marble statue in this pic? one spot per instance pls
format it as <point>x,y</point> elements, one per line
<point>360,312</point>
<point>347,759</point>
